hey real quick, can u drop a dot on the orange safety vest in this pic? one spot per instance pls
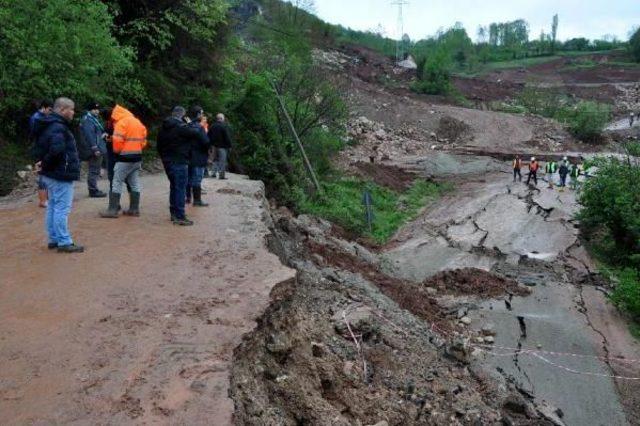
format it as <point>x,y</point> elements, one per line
<point>533,166</point>
<point>517,163</point>
<point>129,134</point>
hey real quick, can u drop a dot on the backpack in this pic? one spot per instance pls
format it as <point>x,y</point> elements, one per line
<point>84,150</point>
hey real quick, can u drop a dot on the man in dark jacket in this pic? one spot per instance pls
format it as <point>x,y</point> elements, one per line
<point>221,139</point>
<point>175,140</point>
<point>94,134</point>
<point>199,158</point>
<point>59,166</point>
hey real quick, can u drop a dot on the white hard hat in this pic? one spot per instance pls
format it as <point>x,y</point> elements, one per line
<point>565,158</point>
<point>533,158</point>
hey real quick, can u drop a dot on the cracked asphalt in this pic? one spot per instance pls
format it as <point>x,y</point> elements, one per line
<point>529,234</point>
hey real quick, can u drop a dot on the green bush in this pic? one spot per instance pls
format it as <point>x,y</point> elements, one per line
<point>610,216</point>
<point>586,120</point>
<point>626,294</point>
<point>434,75</point>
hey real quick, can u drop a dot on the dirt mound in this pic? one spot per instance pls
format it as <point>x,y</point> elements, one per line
<point>332,350</point>
<point>475,282</point>
<point>388,176</point>
<point>452,129</point>
<point>406,294</point>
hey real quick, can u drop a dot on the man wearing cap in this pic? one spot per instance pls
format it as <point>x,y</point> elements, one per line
<point>94,134</point>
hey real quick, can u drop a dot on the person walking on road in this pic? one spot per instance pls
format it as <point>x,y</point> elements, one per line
<point>517,166</point>
<point>631,119</point>
<point>44,109</point>
<point>564,171</point>
<point>129,140</point>
<point>550,170</point>
<point>199,157</point>
<point>175,140</point>
<point>533,171</point>
<point>220,138</point>
<point>59,166</point>
<point>94,134</point>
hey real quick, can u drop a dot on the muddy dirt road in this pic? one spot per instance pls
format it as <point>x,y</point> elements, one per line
<point>141,328</point>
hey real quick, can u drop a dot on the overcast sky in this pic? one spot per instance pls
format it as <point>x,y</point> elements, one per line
<point>578,18</point>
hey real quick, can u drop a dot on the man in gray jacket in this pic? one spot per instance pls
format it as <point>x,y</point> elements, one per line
<point>94,134</point>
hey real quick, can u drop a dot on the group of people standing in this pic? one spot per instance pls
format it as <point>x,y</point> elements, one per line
<point>564,169</point>
<point>184,145</point>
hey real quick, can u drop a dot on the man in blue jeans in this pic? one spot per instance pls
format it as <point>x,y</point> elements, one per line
<point>175,140</point>
<point>59,166</point>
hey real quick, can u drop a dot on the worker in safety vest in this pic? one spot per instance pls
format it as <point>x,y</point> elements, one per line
<point>575,174</point>
<point>129,140</point>
<point>550,170</point>
<point>533,171</point>
<point>517,166</point>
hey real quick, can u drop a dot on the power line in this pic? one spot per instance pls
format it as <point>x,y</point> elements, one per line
<point>399,43</point>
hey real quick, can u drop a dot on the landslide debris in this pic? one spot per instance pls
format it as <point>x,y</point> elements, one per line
<point>392,177</point>
<point>475,282</point>
<point>348,345</point>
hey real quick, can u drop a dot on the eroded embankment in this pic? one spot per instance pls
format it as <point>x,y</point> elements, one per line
<point>349,345</point>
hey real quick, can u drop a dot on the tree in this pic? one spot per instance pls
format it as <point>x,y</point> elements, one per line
<point>434,76</point>
<point>60,47</point>
<point>634,45</point>
<point>554,33</point>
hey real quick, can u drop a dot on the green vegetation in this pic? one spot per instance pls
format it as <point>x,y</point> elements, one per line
<point>634,45</point>
<point>434,75</point>
<point>610,222</point>
<point>342,203</point>
<point>585,119</point>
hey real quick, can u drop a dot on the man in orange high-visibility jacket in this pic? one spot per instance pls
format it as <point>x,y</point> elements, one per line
<point>533,171</point>
<point>129,139</point>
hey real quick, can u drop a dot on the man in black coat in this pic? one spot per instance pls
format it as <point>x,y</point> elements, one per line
<point>199,157</point>
<point>175,140</point>
<point>220,138</point>
<point>59,166</point>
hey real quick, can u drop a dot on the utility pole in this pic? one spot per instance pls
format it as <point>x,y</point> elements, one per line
<point>305,159</point>
<point>399,47</point>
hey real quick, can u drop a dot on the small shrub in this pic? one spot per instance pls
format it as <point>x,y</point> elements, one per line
<point>586,120</point>
<point>626,294</point>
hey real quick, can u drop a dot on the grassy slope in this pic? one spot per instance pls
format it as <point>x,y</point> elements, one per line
<point>342,204</point>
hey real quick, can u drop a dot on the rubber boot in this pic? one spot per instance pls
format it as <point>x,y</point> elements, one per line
<point>134,205</point>
<point>114,203</point>
<point>197,197</point>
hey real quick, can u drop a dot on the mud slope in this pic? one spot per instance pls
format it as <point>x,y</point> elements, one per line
<point>140,329</point>
<point>336,349</point>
